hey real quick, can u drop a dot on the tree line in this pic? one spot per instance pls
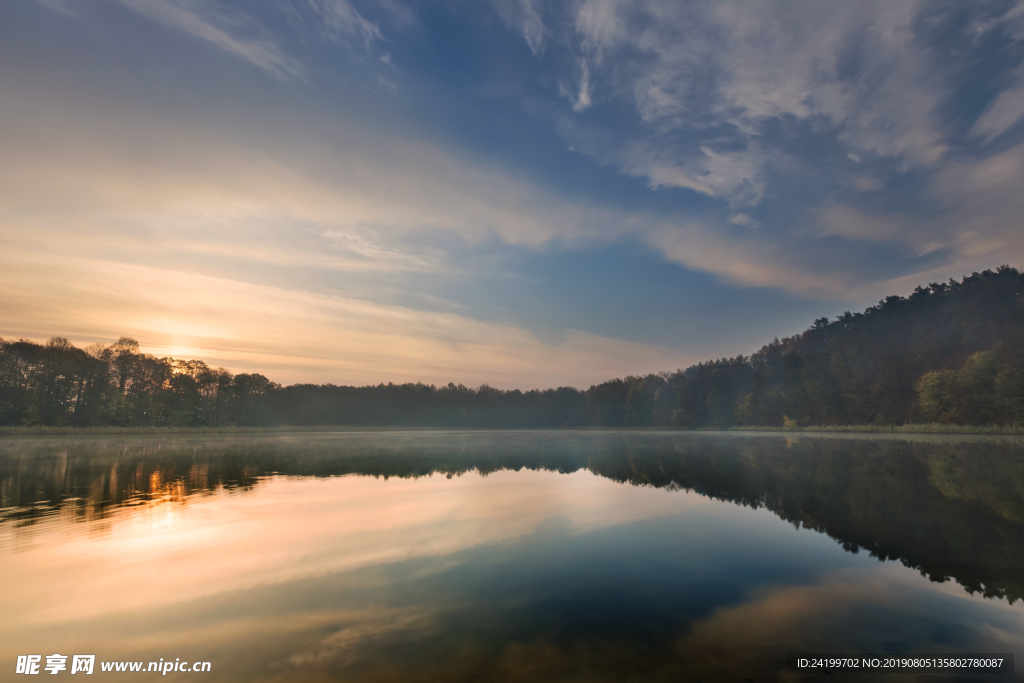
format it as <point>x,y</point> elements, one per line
<point>949,352</point>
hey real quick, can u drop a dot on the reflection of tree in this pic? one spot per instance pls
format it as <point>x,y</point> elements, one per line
<point>886,497</point>
<point>951,509</point>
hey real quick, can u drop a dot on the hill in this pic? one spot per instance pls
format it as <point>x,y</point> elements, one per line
<point>949,353</point>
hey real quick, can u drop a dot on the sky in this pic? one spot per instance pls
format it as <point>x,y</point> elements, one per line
<point>522,193</point>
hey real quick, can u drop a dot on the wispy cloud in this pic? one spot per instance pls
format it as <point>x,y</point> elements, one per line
<point>706,78</point>
<point>341,19</point>
<point>1006,110</point>
<point>339,198</point>
<point>583,96</point>
<point>742,101</point>
<point>59,6</point>
<point>201,21</point>
<point>823,151</point>
<point>526,17</point>
<point>293,335</point>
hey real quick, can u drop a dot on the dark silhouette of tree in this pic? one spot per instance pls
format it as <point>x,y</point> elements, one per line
<point>950,352</point>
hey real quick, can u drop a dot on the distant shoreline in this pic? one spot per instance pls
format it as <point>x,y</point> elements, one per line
<point>41,430</point>
<point>887,429</point>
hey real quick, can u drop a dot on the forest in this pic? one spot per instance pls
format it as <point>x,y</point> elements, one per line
<point>950,353</point>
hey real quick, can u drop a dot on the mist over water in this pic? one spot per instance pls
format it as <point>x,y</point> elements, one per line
<point>508,556</point>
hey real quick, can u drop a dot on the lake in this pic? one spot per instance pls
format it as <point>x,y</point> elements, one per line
<point>510,556</point>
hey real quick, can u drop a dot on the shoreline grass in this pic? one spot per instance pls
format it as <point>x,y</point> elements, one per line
<point>934,428</point>
<point>43,430</point>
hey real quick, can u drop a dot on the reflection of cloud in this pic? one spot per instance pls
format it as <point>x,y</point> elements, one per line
<point>295,529</point>
<point>468,578</point>
<point>866,611</point>
<point>342,647</point>
<point>736,641</point>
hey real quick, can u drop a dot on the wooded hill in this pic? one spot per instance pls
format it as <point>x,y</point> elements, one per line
<point>949,353</point>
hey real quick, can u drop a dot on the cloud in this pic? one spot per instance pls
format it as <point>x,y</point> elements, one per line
<point>293,335</point>
<point>972,214</point>
<point>739,177</point>
<point>340,18</point>
<point>198,244</point>
<point>526,17</point>
<point>1004,112</point>
<point>155,167</point>
<point>741,101</point>
<point>155,191</point>
<point>707,79</point>
<point>844,221</point>
<point>861,66</point>
<point>982,205</point>
<point>598,21</point>
<point>58,6</point>
<point>743,219</point>
<point>198,19</point>
<point>738,102</point>
<point>583,97</point>
<point>751,260</point>
<point>365,243</point>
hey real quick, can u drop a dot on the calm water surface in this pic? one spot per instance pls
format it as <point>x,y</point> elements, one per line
<point>509,556</point>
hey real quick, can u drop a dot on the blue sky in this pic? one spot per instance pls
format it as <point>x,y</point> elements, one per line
<point>518,192</point>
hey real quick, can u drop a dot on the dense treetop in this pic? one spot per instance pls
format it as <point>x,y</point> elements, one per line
<point>950,352</point>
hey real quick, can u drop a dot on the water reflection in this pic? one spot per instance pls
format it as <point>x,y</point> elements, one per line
<point>257,551</point>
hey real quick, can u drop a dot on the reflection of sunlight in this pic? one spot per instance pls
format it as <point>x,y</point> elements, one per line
<point>302,527</point>
<point>158,524</point>
<point>313,575</point>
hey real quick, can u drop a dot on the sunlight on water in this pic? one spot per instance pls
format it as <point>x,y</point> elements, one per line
<point>515,556</point>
